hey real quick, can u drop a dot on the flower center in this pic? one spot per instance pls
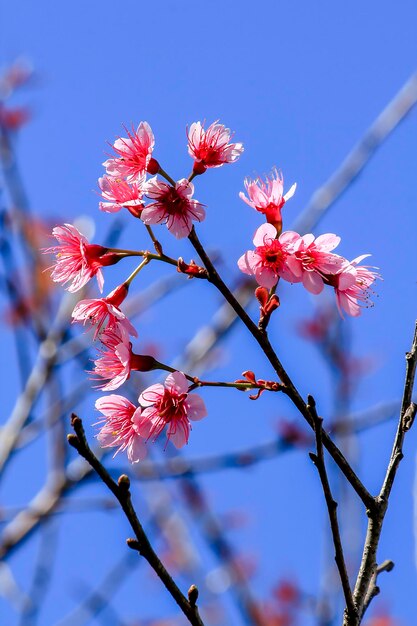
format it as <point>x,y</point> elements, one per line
<point>172,407</point>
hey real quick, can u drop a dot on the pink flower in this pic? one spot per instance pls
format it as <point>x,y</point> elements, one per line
<point>170,405</point>
<point>118,427</point>
<point>352,286</point>
<point>78,260</point>
<point>104,310</point>
<point>134,154</point>
<point>312,259</point>
<point>117,359</point>
<point>269,261</point>
<point>114,364</point>
<point>173,206</point>
<point>211,147</point>
<point>119,194</point>
<point>267,196</point>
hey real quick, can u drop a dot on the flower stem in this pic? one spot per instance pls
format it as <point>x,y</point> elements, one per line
<point>166,176</point>
<point>135,272</point>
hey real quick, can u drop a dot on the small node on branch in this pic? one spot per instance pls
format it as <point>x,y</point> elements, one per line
<point>133,544</point>
<point>158,248</point>
<point>313,457</point>
<point>193,595</point>
<point>76,423</point>
<point>311,402</point>
<point>408,417</point>
<point>124,483</point>
<point>385,566</point>
<point>73,441</point>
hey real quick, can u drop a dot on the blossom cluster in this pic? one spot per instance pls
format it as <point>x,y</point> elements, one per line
<point>125,184</point>
<point>295,258</point>
<point>300,259</point>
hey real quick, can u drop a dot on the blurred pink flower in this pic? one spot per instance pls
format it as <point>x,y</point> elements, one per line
<point>266,196</point>
<point>118,427</point>
<point>12,119</point>
<point>173,206</point>
<point>170,405</point>
<point>114,364</point>
<point>134,154</point>
<point>352,286</point>
<point>101,311</point>
<point>211,147</point>
<point>269,261</point>
<point>312,259</point>
<point>77,259</point>
<point>118,194</point>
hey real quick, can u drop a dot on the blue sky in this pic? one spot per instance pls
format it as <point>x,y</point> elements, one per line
<point>299,83</point>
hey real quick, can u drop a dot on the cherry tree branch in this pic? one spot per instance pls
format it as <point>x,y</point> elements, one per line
<point>121,490</point>
<point>365,587</point>
<point>318,460</point>
<point>289,388</point>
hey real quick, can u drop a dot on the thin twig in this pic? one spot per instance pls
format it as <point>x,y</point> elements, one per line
<point>318,460</point>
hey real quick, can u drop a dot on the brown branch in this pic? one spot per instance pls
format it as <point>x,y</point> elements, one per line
<point>121,490</point>
<point>365,588</point>
<point>289,388</point>
<point>318,460</point>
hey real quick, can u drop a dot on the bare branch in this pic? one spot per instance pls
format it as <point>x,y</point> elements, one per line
<point>121,491</point>
<point>289,388</point>
<point>318,460</point>
<point>365,588</point>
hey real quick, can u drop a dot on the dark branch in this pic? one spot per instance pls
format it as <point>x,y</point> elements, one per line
<point>318,460</point>
<point>289,388</point>
<point>121,490</point>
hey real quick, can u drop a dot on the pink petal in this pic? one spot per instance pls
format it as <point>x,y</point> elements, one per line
<point>100,280</point>
<point>313,282</point>
<point>151,395</point>
<point>136,450</point>
<point>113,403</point>
<point>247,262</point>
<point>327,242</point>
<point>196,409</point>
<point>179,432</point>
<point>266,277</point>
<point>290,192</point>
<point>109,207</point>
<point>153,214</point>
<point>266,231</point>
<point>176,382</point>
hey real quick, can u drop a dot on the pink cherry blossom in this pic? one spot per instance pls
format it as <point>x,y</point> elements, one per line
<point>269,261</point>
<point>170,405</point>
<point>118,427</point>
<point>266,196</point>
<point>312,259</point>
<point>77,259</point>
<point>173,206</point>
<point>352,286</point>
<point>211,147</point>
<point>102,312</point>
<point>114,364</point>
<point>134,154</point>
<point>118,194</point>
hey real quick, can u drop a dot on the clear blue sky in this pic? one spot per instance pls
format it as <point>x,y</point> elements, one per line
<point>299,83</point>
